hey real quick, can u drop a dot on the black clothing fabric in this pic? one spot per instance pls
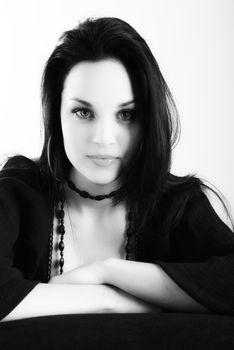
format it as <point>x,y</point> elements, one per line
<point>159,331</point>
<point>197,251</point>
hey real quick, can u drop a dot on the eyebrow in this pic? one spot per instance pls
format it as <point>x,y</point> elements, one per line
<point>88,104</point>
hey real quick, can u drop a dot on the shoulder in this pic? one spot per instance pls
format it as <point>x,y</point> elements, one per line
<point>22,189</point>
<point>22,180</point>
<point>23,171</point>
<point>187,200</point>
<point>183,198</point>
<point>180,191</point>
<point>19,167</point>
<point>174,200</point>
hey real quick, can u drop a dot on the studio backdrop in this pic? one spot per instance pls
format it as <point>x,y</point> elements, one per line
<point>193,42</point>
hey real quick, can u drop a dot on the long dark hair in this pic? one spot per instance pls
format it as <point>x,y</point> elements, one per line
<point>109,37</point>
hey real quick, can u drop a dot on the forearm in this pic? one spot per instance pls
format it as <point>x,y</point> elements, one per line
<point>150,283</point>
<point>52,299</point>
<point>57,299</point>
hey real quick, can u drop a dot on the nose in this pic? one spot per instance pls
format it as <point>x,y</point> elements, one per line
<point>104,133</point>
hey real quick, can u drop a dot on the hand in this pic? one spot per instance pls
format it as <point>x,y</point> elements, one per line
<point>93,273</point>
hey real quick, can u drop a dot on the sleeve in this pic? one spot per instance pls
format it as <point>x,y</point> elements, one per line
<point>203,257</point>
<point>13,286</point>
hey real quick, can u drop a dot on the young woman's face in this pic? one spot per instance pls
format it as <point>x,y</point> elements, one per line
<point>100,125</point>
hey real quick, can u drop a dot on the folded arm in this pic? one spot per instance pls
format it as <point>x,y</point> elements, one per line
<point>52,299</point>
<point>145,281</point>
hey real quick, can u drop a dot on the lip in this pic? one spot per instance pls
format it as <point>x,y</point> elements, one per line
<point>102,156</point>
<point>103,160</point>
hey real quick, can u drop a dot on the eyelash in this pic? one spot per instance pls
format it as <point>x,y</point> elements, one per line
<point>131,112</point>
<point>91,115</point>
<point>76,110</point>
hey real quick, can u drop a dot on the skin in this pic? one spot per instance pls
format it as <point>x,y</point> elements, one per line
<point>107,129</point>
<point>98,117</point>
<point>108,126</point>
<point>107,283</point>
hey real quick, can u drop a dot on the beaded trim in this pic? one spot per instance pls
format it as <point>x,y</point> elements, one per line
<point>50,251</point>
<point>131,247</point>
<point>61,231</point>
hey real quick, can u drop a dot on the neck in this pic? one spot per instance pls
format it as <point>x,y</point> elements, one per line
<point>83,184</point>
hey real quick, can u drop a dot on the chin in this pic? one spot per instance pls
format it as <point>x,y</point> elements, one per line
<point>98,177</point>
<point>102,180</point>
<point>101,176</point>
<point>95,176</point>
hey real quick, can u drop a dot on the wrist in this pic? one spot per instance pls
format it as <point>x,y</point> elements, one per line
<point>53,280</point>
<point>108,269</point>
<point>57,279</point>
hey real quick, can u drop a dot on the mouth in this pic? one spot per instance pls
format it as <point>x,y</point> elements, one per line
<point>102,156</point>
<point>103,160</point>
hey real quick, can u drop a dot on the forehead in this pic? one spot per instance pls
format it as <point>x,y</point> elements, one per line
<point>106,78</point>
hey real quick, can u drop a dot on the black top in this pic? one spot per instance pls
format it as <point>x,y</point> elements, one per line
<point>197,251</point>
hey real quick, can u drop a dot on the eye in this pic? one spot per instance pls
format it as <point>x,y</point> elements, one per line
<point>126,115</point>
<point>82,113</point>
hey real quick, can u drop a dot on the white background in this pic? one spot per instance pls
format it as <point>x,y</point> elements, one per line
<point>193,41</point>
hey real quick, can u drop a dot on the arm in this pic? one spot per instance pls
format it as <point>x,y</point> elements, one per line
<point>21,296</point>
<point>201,279</point>
<point>145,281</point>
<point>53,299</point>
<point>200,276</point>
<point>150,283</point>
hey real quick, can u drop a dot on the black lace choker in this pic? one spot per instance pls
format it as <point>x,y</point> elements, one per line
<point>85,194</point>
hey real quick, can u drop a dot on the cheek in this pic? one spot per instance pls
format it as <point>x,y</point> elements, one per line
<point>131,141</point>
<point>134,138</point>
<point>72,139</point>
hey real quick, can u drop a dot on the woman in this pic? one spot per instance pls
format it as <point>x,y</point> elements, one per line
<point>98,223</point>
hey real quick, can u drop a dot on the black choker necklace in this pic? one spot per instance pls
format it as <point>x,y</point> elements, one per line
<point>85,194</point>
